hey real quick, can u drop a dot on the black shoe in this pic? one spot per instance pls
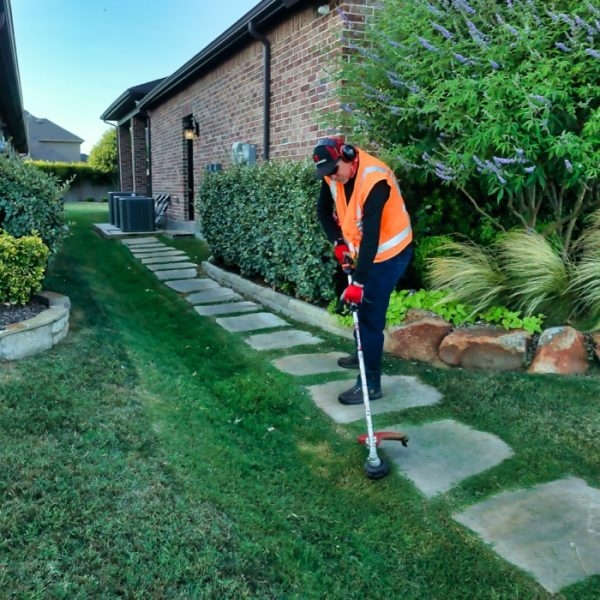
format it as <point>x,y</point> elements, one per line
<point>355,396</point>
<point>348,362</point>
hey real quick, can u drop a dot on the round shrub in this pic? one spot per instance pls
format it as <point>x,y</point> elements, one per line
<point>30,202</point>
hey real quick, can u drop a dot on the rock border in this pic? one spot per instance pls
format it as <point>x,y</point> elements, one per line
<point>39,333</point>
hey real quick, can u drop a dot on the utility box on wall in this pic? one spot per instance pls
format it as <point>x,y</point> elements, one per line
<point>243,154</point>
<point>137,214</point>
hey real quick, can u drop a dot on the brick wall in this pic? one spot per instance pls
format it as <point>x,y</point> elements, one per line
<point>125,163</point>
<point>228,101</point>
<point>139,162</point>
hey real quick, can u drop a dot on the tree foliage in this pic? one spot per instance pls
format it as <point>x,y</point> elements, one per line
<point>104,155</point>
<point>499,101</point>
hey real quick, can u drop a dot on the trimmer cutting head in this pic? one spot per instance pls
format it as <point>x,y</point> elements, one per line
<point>381,436</point>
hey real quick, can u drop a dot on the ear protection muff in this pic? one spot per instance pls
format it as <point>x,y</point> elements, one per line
<point>344,151</point>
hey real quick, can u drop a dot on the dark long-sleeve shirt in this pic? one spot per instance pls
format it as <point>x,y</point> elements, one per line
<point>373,210</point>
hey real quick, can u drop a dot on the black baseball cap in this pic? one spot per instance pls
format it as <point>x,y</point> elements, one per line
<point>326,159</point>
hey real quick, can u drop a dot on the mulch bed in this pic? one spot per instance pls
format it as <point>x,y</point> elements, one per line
<point>12,313</point>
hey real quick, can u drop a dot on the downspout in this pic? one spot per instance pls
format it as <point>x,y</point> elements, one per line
<point>118,152</point>
<point>267,87</point>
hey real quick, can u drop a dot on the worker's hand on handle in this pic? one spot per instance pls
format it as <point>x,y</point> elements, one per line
<point>353,294</point>
<point>341,252</point>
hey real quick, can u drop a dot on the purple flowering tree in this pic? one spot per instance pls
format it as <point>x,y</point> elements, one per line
<point>500,100</point>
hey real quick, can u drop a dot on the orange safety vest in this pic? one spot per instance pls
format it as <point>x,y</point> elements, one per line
<point>395,232</point>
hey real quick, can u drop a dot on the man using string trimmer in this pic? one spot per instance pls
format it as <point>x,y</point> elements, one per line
<point>362,212</point>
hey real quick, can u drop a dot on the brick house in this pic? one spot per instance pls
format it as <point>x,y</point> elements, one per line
<point>268,81</point>
<point>13,131</point>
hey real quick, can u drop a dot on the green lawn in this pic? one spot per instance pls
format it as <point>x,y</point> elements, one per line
<point>153,455</point>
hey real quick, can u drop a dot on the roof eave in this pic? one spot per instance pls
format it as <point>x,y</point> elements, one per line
<point>262,14</point>
<point>11,101</point>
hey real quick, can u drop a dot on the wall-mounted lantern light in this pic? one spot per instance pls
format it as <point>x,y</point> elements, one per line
<point>191,129</point>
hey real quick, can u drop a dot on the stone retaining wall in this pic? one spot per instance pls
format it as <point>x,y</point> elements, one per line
<point>38,333</point>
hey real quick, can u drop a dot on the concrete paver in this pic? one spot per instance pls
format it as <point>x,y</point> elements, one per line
<point>251,322</point>
<point>551,530</point>
<point>309,364</point>
<point>186,286</point>
<point>160,253</point>
<point>176,274</point>
<point>149,248</point>
<point>281,339</point>
<point>164,259</point>
<point>218,294</point>
<point>140,240</point>
<point>399,392</point>
<point>443,453</point>
<point>209,310</point>
<point>171,266</point>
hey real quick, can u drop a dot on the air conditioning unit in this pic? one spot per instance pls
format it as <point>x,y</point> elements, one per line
<point>243,154</point>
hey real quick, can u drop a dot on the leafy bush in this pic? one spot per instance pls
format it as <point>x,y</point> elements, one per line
<point>497,101</point>
<point>262,221</point>
<point>456,313</point>
<point>22,267</point>
<point>30,202</point>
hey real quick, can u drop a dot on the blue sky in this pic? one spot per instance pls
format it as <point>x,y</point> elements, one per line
<point>77,56</point>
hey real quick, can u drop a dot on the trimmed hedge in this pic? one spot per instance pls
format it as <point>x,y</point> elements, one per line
<point>67,172</point>
<point>261,221</point>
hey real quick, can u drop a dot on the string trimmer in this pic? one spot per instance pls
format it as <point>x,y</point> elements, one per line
<point>374,466</point>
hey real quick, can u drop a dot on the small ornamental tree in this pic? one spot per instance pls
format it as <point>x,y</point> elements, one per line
<point>104,157</point>
<point>499,100</point>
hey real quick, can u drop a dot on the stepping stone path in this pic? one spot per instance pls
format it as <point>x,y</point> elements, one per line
<point>551,531</point>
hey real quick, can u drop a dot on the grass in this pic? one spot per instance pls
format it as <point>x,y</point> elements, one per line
<point>151,454</point>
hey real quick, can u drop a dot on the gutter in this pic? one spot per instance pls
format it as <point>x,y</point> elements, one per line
<point>266,87</point>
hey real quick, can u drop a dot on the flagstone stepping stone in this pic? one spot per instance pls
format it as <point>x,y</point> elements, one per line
<point>186,286</point>
<point>164,259</point>
<point>551,530</point>
<point>211,296</point>
<point>309,364</point>
<point>158,253</point>
<point>442,453</point>
<point>399,392</point>
<point>149,247</point>
<point>208,310</point>
<point>281,339</point>
<point>252,322</point>
<point>169,266</point>
<point>176,274</point>
<point>140,240</point>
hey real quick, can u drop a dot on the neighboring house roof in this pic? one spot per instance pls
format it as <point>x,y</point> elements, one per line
<point>263,14</point>
<point>126,104</point>
<point>11,102</point>
<point>42,132</point>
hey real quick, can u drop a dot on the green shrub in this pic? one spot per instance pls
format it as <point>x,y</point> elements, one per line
<point>261,220</point>
<point>453,311</point>
<point>496,101</point>
<point>30,202</point>
<point>23,263</point>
